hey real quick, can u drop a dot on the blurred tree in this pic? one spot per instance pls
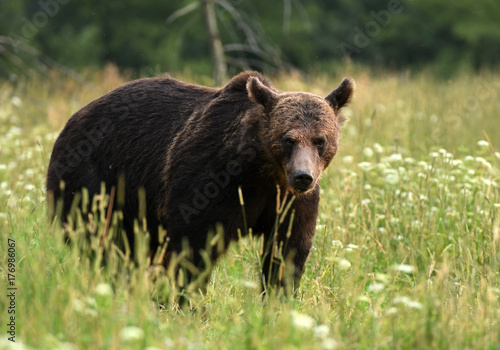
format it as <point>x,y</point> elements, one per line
<point>258,34</point>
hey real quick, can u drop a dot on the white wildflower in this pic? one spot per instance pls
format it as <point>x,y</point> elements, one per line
<point>337,244</point>
<point>396,157</point>
<point>376,287</point>
<point>378,148</point>
<point>329,344</point>
<point>405,268</point>
<point>29,187</point>
<point>6,344</point>
<point>365,166</point>
<point>483,162</point>
<point>302,321</point>
<point>483,143</point>
<point>434,154</point>
<point>14,131</point>
<point>103,289</point>
<point>344,264</point>
<point>16,101</point>
<point>392,178</point>
<point>366,201</point>
<point>131,333</point>
<point>322,331</point>
<point>392,311</point>
<point>368,152</point>
<point>351,246</point>
<point>414,304</point>
<point>347,159</point>
<point>249,284</point>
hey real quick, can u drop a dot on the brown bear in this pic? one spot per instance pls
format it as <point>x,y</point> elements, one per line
<point>196,153</point>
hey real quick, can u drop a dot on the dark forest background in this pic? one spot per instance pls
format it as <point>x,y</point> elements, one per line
<point>146,36</point>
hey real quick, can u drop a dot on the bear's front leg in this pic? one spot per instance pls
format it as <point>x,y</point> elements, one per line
<point>285,251</point>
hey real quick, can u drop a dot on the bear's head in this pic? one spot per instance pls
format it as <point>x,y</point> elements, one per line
<point>298,131</point>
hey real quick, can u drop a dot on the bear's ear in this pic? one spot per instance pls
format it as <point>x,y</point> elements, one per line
<point>341,96</point>
<point>261,94</point>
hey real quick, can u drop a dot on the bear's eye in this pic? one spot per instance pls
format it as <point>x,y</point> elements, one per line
<point>288,141</point>
<point>320,142</point>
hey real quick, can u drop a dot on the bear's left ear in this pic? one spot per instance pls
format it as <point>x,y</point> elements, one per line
<point>341,96</point>
<point>261,94</point>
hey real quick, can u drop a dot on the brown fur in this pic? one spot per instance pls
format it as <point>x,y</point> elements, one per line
<point>191,148</point>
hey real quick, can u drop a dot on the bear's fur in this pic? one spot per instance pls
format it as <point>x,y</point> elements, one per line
<point>193,149</point>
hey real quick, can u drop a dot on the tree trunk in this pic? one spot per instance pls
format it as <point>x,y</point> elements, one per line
<point>216,48</point>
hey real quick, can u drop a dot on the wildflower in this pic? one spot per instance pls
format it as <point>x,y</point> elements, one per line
<point>29,187</point>
<point>103,289</point>
<point>337,244</point>
<point>14,131</point>
<point>405,268</point>
<point>414,304</point>
<point>321,331</point>
<point>302,321</point>
<point>434,154</point>
<point>329,344</point>
<point>351,246</point>
<point>16,101</point>
<point>344,264</point>
<point>483,143</point>
<point>376,287</point>
<point>131,333</point>
<point>392,311</point>
<point>347,159</point>
<point>368,152</point>
<point>392,178</point>
<point>497,154</point>
<point>365,201</point>
<point>483,162</point>
<point>396,157</point>
<point>367,187</point>
<point>249,284</point>
<point>8,345</point>
<point>378,148</point>
<point>365,166</point>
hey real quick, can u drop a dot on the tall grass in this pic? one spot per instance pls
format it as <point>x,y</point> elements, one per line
<point>406,254</point>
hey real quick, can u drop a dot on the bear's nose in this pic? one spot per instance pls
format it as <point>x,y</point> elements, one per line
<point>302,180</point>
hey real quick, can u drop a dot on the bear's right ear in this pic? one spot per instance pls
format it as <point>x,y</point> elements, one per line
<point>341,96</point>
<point>261,94</point>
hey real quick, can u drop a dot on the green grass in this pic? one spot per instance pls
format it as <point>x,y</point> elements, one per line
<point>406,255</point>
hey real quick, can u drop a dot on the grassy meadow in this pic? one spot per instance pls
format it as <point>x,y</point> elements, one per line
<point>406,254</point>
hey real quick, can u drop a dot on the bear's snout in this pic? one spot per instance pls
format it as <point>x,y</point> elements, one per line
<point>302,180</point>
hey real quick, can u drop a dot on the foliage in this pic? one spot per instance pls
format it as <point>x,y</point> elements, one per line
<point>452,35</point>
<point>407,247</point>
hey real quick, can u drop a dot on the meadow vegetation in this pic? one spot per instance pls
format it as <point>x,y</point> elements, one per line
<point>406,254</point>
